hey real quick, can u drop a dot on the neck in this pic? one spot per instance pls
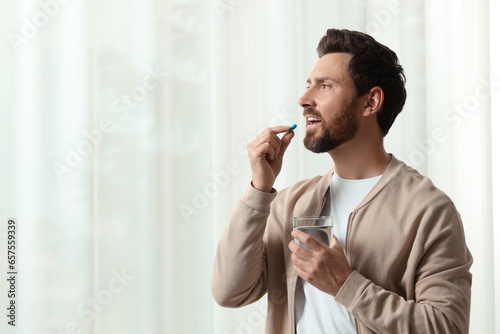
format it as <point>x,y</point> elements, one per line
<point>355,160</point>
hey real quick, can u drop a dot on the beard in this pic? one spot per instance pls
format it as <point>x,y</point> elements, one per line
<point>334,132</point>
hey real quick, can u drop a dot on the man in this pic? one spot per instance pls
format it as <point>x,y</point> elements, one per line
<point>398,262</point>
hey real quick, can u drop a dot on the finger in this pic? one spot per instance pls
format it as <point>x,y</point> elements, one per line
<point>271,133</point>
<point>280,129</point>
<point>335,242</point>
<point>267,134</point>
<point>299,251</point>
<point>268,137</point>
<point>272,153</point>
<point>264,138</point>
<point>302,274</point>
<point>314,244</point>
<point>260,152</point>
<point>300,263</point>
<point>275,143</point>
<point>285,141</point>
<point>294,247</point>
<point>261,147</point>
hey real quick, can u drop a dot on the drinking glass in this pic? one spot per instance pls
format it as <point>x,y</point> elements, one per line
<point>319,227</point>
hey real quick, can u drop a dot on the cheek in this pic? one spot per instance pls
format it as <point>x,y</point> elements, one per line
<point>329,109</point>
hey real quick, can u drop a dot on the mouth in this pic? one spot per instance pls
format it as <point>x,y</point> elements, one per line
<point>312,122</point>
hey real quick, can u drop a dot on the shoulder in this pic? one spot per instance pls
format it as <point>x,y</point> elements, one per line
<point>415,201</point>
<point>412,185</point>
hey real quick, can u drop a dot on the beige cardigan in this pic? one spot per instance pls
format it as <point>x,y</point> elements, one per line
<point>405,242</point>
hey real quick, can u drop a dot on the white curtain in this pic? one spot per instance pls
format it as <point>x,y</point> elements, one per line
<point>123,136</point>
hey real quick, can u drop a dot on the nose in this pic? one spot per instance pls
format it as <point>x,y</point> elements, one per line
<point>307,100</point>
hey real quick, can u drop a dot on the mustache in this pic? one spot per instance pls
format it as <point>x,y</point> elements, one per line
<point>311,111</point>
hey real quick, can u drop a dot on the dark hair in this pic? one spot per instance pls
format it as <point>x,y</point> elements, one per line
<point>372,64</point>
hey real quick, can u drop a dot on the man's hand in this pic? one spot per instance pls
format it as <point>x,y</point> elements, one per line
<point>326,268</point>
<point>266,156</point>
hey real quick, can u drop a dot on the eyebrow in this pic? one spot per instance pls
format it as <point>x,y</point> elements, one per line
<point>320,79</point>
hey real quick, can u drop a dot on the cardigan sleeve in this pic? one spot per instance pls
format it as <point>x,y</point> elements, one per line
<point>240,266</point>
<point>442,286</point>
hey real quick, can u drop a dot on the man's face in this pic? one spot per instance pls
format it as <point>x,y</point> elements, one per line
<point>330,104</point>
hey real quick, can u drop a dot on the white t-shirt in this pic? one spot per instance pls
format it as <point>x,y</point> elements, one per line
<point>316,311</point>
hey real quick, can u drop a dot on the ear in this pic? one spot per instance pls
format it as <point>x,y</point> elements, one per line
<point>374,101</point>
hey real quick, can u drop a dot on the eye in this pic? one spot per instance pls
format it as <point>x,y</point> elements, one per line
<point>325,86</point>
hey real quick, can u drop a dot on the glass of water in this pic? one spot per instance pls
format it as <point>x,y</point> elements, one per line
<point>319,227</point>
